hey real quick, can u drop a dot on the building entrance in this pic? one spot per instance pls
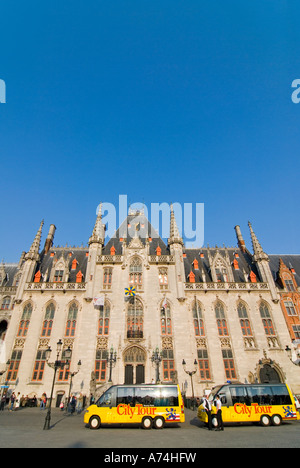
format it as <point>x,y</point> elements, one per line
<point>134,360</point>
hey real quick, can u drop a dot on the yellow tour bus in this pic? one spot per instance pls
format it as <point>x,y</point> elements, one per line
<point>267,404</point>
<point>147,405</point>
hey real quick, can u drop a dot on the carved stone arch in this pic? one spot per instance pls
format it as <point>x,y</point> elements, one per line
<point>135,353</point>
<point>269,371</point>
<point>242,303</point>
<point>74,301</point>
<point>194,302</point>
<point>28,303</point>
<point>50,301</point>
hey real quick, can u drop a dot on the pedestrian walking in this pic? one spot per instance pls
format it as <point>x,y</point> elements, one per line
<point>79,403</point>
<point>73,404</point>
<point>218,405</point>
<point>43,401</point>
<point>12,401</point>
<point>207,406</point>
<point>17,402</point>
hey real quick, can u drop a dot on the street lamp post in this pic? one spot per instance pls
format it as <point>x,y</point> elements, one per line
<point>58,364</point>
<point>156,359</point>
<point>191,374</point>
<point>72,374</point>
<point>111,361</point>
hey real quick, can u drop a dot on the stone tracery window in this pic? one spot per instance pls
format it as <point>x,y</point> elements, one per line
<point>136,273</point>
<point>135,318</point>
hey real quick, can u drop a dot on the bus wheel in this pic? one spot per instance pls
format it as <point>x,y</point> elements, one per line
<point>94,422</point>
<point>147,423</point>
<point>158,423</point>
<point>265,421</point>
<point>276,420</point>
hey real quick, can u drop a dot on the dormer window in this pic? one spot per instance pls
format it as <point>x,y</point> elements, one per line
<point>79,277</point>
<point>37,277</point>
<point>191,277</point>
<point>58,276</point>
<point>74,264</point>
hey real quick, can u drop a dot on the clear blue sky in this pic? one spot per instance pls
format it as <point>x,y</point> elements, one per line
<point>162,100</point>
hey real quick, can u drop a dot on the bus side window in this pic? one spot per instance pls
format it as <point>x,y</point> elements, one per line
<point>239,395</point>
<point>260,394</point>
<point>108,399</point>
<point>125,396</point>
<point>281,395</point>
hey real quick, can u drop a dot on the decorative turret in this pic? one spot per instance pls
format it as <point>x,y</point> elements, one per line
<point>176,244</point>
<point>98,235</point>
<point>29,265</point>
<point>175,237</point>
<point>259,254</point>
<point>261,259</point>
<point>96,243</point>
<point>33,253</point>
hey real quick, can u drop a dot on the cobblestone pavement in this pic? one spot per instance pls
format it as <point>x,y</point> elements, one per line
<point>24,428</point>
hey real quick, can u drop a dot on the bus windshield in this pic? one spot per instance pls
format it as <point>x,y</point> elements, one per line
<point>214,392</point>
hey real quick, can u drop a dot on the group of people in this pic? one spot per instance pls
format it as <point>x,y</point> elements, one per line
<point>208,408</point>
<point>16,401</point>
<point>75,404</point>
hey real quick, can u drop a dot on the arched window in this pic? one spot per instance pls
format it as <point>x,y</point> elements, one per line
<point>72,320</point>
<point>244,319</point>
<point>48,320</point>
<point>221,320</point>
<point>5,303</point>
<point>198,319</point>
<point>136,273</point>
<point>266,319</point>
<point>104,316</point>
<point>135,316</point>
<point>165,320</point>
<point>25,320</point>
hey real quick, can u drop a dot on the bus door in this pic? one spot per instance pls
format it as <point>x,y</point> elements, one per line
<point>106,405</point>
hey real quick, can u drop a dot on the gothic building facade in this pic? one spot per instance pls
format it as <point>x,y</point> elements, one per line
<point>229,313</point>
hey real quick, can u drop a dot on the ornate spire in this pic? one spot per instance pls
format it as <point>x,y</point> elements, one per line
<point>175,237</point>
<point>33,253</point>
<point>259,254</point>
<point>98,235</point>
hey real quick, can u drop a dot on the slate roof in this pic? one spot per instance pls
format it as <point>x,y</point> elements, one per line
<point>291,261</point>
<point>67,255</point>
<point>144,231</point>
<point>244,261</point>
<point>11,270</point>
